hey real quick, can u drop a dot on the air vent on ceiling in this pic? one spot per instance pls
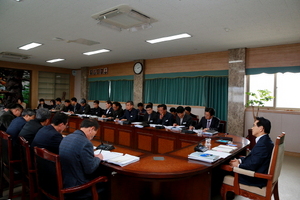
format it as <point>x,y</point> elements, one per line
<point>124,17</point>
<point>11,55</point>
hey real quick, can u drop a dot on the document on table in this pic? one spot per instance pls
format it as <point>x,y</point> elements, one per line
<point>117,158</point>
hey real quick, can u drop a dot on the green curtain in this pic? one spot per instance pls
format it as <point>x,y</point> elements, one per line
<point>199,91</point>
<point>99,90</point>
<point>121,90</point>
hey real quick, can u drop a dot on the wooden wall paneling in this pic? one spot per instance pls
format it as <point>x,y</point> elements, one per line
<point>124,138</point>
<point>144,141</point>
<point>165,144</point>
<point>108,135</point>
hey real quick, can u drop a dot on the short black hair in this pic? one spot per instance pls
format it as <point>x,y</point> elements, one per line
<point>264,123</point>
<point>67,101</point>
<point>83,100</point>
<point>58,99</point>
<point>172,109</point>
<point>211,111</point>
<point>148,106</point>
<point>189,109</point>
<point>150,103</point>
<point>96,101</point>
<point>53,101</point>
<point>16,106</point>
<point>89,123</point>
<point>163,106</point>
<point>130,102</point>
<point>117,104</point>
<point>28,111</point>
<point>180,109</point>
<point>109,102</point>
<point>42,100</point>
<point>140,104</point>
<point>74,99</point>
<point>59,118</point>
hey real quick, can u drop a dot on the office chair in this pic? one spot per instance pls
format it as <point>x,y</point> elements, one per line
<point>232,184</point>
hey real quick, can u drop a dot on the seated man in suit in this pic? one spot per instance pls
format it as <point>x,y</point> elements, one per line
<point>85,107</point>
<point>188,110</point>
<point>182,119</point>
<point>131,114</point>
<point>78,162</point>
<point>165,118</point>
<point>17,124</point>
<point>118,111</point>
<point>30,129</point>
<point>49,137</point>
<point>173,112</point>
<point>42,104</point>
<point>14,110</point>
<point>68,107</point>
<point>59,105</point>
<point>209,121</point>
<point>259,158</point>
<point>75,106</point>
<point>141,111</point>
<point>151,116</point>
<point>96,110</point>
<point>109,110</point>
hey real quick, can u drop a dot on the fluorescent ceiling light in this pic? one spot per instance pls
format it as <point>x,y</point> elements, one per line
<point>30,46</point>
<point>169,38</point>
<point>55,60</point>
<point>96,52</point>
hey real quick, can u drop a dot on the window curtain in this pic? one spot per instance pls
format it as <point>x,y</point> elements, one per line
<point>121,90</point>
<point>198,91</point>
<point>99,90</point>
<point>272,70</point>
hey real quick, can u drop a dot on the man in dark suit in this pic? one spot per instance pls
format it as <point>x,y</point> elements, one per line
<point>30,129</point>
<point>109,110</point>
<point>96,110</point>
<point>49,137</point>
<point>131,114</point>
<point>151,116</point>
<point>165,118</point>
<point>77,157</point>
<point>118,111</point>
<point>75,106</point>
<point>208,121</point>
<point>182,119</point>
<point>85,107</point>
<point>259,158</point>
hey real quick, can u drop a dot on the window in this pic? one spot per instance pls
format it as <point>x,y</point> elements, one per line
<point>53,85</point>
<point>282,85</point>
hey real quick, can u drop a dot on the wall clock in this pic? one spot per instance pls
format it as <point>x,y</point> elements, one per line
<point>138,68</point>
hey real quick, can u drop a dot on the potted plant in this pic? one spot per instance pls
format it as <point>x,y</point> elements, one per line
<point>260,98</point>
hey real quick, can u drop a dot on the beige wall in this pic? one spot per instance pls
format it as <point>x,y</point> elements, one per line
<point>34,77</point>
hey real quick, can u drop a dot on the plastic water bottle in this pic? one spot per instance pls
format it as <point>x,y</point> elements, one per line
<point>200,132</point>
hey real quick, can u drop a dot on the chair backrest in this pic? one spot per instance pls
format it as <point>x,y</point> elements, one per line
<point>49,175</point>
<point>222,126</point>
<point>6,147</point>
<point>26,156</point>
<point>277,157</point>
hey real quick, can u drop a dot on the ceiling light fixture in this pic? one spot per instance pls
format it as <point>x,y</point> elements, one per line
<point>169,38</point>
<point>55,60</point>
<point>96,52</point>
<point>235,61</point>
<point>30,46</point>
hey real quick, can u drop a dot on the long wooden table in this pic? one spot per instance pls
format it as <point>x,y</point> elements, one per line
<point>173,177</point>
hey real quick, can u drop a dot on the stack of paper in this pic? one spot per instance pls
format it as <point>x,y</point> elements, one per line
<point>124,160</point>
<point>117,157</point>
<point>218,153</point>
<point>204,156</point>
<point>209,132</point>
<point>224,148</point>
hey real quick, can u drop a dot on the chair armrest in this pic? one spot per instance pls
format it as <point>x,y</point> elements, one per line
<point>227,168</point>
<point>252,173</point>
<point>86,185</point>
<point>243,171</point>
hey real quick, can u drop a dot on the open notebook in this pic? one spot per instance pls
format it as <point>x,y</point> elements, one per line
<point>118,158</point>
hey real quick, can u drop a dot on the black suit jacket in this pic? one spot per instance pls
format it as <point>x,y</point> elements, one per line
<point>258,160</point>
<point>167,120</point>
<point>153,118</point>
<point>187,121</point>
<point>109,113</point>
<point>214,124</point>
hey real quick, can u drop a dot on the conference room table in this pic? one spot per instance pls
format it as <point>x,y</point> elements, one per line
<point>164,170</point>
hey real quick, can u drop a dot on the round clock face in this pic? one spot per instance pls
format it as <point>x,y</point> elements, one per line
<point>138,68</point>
